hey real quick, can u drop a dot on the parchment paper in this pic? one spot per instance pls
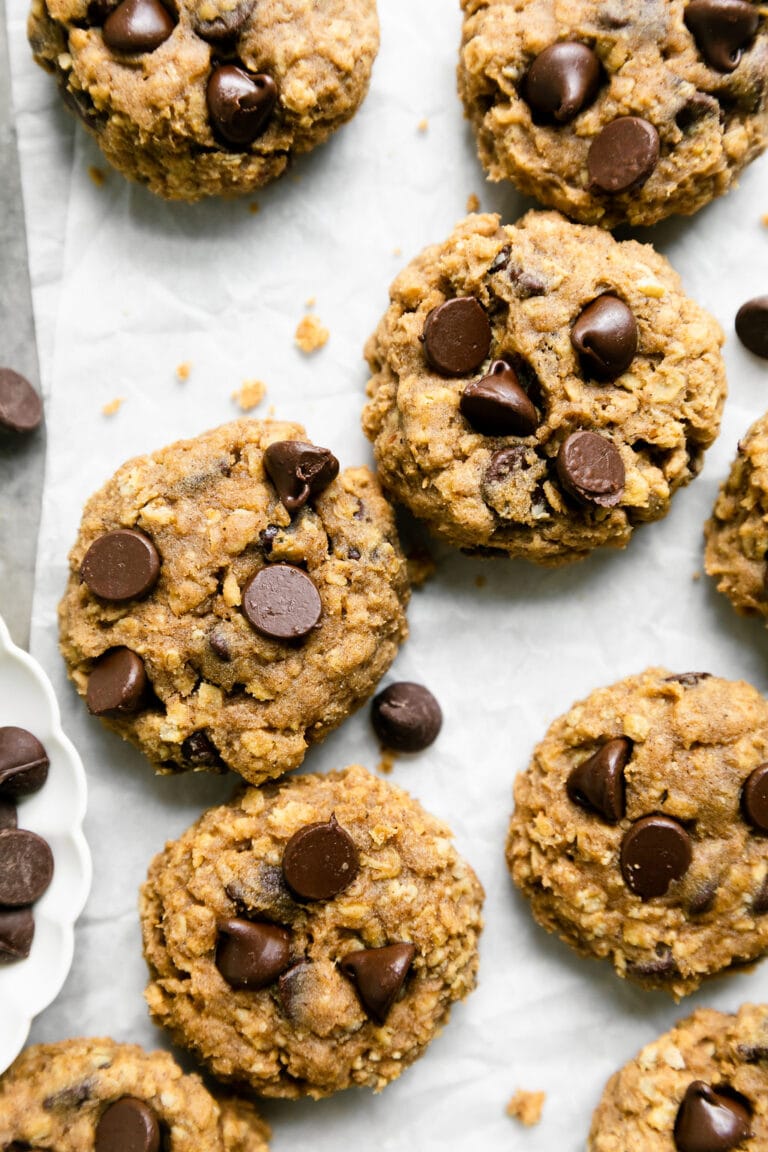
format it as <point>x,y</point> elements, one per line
<point>127,288</point>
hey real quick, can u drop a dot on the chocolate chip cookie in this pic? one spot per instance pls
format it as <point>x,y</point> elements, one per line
<point>700,1087</point>
<point>86,1095</point>
<point>232,599</point>
<point>617,110</point>
<point>640,827</point>
<point>540,389</point>
<point>311,935</point>
<point>200,97</point>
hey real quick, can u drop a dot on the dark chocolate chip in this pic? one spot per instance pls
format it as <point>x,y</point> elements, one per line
<point>354,554</point>
<point>661,966</point>
<point>562,80</point>
<point>282,602</point>
<point>590,469</point>
<point>23,763</point>
<point>251,955</point>
<point>267,537</point>
<point>291,987</point>
<point>17,930</point>
<point>722,30</point>
<point>406,717</point>
<point>752,326</point>
<point>99,10</point>
<point>7,814</point>
<point>220,644</point>
<point>711,1121</point>
<point>240,104</point>
<point>760,899</point>
<point>753,1053</point>
<point>623,155</point>
<point>688,679</point>
<point>703,899</point>
<point>26,867</point>
<point>754,798</point>
<point>598,782</point>
<point>527,283</point>
<point>72,1096</point>
<point>299,471</point>
<point>500,260</point>
<point>497,405</point>
<point>137,26</point>
<point>320,861</point>
<point>198,750</point>
<point>457,336</point>
<point>21,409</point>
<point>655,852</point>
<point>128,1125</point>
<point>504,462</point>
<point>605,337</point>
<point>117,683</point>
<point>378,975</point>
<point>121,565</point>
<point>224,28</point>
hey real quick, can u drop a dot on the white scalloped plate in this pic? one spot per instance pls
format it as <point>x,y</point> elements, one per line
<point>56,812</point>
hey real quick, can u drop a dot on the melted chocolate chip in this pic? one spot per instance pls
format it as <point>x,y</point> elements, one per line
<point>623,155</point>
<point>752,326</point>
<point>662,966</point>
<point>17,930</point>
<point>598,782</point>
<point>406,717</point>
<point>722,30</point>
<point>709,1120</point>
<point>320,861</point>
<point>117,683</point>
<point>655,852</point>
<point>562,80</point>
<point>457,336</point>
<point>500,260</point>
<point>121,565</point>
<point>225,27</point>
<point>250,955</point>
<point>199,751</point>
<point>379,974</point>
<point>26,867</point>
<point>128,1125</point>
<point>23,763</point>
<point>21,409</point>
<point>590,468</point>
<point>605,337</point>
<point>137,26</point>
<point>754,798</point>
<point>282,602</point>
<point>219,643</point>
<point>688,679</point>
<point>240,104</point>
<point>504,463</point>
<point>496,404</point>
<point>299,471</point>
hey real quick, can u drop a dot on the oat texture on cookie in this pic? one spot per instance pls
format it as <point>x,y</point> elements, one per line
<point>311,935</point>
<point>541,389</point>
<point>233,598</point>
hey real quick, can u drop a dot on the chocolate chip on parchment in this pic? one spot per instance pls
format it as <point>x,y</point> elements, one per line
<point>623,155</point>
<point>457,336</point>
<point>26,867</point>
<point>121,565</point>
<point>590,469</point>
<point>21,409</point>
<point>722,30</point>
<point>754,798</point>
<point>406,717</point>
<point>655,852</point>
<point>752,326</point>
<point>128,1125</point>
<point>497,404</point>
<point>299,471</point>
<point>379,974</point>
<point>251,955</point>
<point>320,861</point>
<point>282,602</point>
<point>117,684</point>
<point>605,337</point>
<point>562,80</point>
<point>709,1120</point>
<point>598,782</point>
<point>23,763</point>
<point>240,104</point>
<point>137,26</point>
<point>17,930</point>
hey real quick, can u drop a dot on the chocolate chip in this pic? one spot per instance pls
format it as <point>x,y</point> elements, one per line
<point>406,717</point>
<point>26,867</point>
<point>457,336</point>
<point>760,899</point>
<point>225,27</point>
<point>605,337</point>
<point>711,1121</point>
<point>17,930</point>
<point>7,814</point>
<point>562,80</point>
<point>121,565</point>
<point>70,1097</point>
<point>21,409</point>
<point>251,955</point>
<point>504,462</point>
<point>137,26</point>
<point>98,10</point>
<point>128,1125</point>
<point>590,469</point>
<point>754,798</point>
<point>299,471</point>
<point>500,260</point>
<point>240,104</point>
<point>722,30</point>
<point>198,750</point>
<point>527,283</point>
<point>496,405</point>
<point>752,326</point>
<point>219,643</point>
<point>598,782</point>
<point>267,537</point>
<point>378,975</point>
<point>661,966</point>
<point>703,899</point>
<point>654,853</point>
<point>282,602</point>
<point>623,155</point>
<point>354,554</point>
<point>117,683</point>
<point>23,763</point>
<point>291,987</point>
<point>688,679</point>
<point>320,861</point>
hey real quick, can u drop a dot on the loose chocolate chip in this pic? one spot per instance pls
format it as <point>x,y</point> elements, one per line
<point>224,28</point>
<point>655,852</point>
<point>137,26</point>
<point>251,955</point>
<point>23,763</point>
<point>299,471</point>
<point>754,798</point>
<point>199,750</point>
<point>17,930</point>
<point>711,1121</point>
<point>688,679</point>
<point>504,462</point>
<point>240,104</point>
<point>605,337</point>
<point>457,336</point>
<point>26,867</point>
<point>128,1125</point>
<point>752,326</point>
<point>497,405</point>
<point>320,861</point>
<point>21,409</point>
<point>121,565</point>
<point>117,683</point>
<point>220,644</point>
<point>562,80</point>
<point>282,602</point>
<point>722,30</point>
<point>7,814</point>
<point>378,975</point>
<point>598,782</point>
<point>591,469</point>
<point>623,155</point>
<point>406,717</point>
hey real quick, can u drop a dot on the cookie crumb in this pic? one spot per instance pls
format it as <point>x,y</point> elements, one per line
<point>473,202</point>
<point>310,302</point>
<point>423,125</point>
<point>765,219</point>
<point>183,371</point>
<point>397,251</point>
<point>480,581</point>
<point>98,175</point>
<point>250,394</point>
<point>254,207</point>
<point>421,566</point>
<point>526,1107</point>
<point>311,334</point>
<point>113,406</point>
<point>696,576</point>
<point>387,762</point>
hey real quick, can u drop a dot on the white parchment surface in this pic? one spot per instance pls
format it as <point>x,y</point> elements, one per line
<point>127,288</point>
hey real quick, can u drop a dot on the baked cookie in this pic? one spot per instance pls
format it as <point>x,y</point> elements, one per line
<point>200,97</point>
<point>616,111</point>
<point>640,830</point>
<point>231,599</point>
<point>311,935</point>
<point>700,1087</point>
<point>737,534</point>
<point>81,1095</point>
<point>540,389</point>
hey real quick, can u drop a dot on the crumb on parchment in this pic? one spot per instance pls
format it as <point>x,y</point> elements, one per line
<point>311,334</point>
<point>397,251</point>
<point>387,762</point>
<point>421,566</point>
<point>250,394</point>
<point>310,302</point>
<point>98,175</point>
<point>423,125</point>
<point>473,202</point>
<point>183,371</point>
<point>113,406</point>
<point>696,576</point>
<point>526,1107</point>
<point>254,207</point>
<point>480,580</point>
